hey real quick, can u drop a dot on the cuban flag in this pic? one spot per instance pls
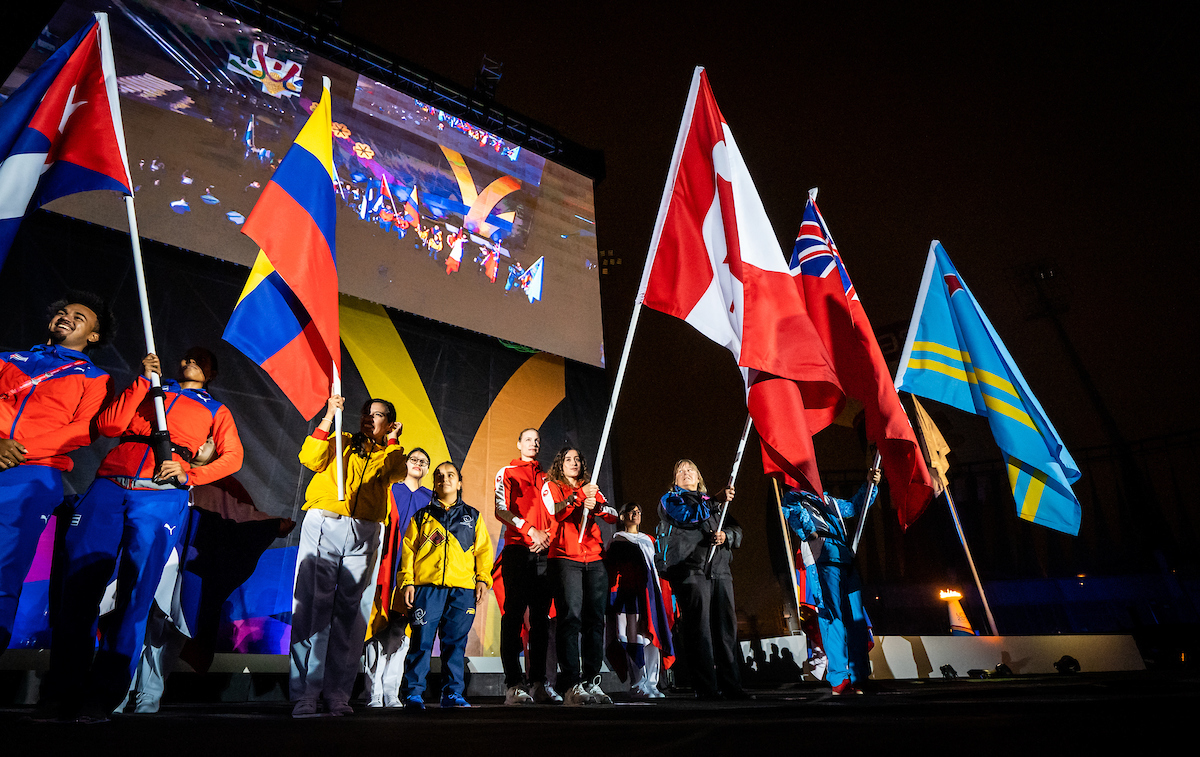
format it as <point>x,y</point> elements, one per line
<point>60,132</point>
<point>716,263</point>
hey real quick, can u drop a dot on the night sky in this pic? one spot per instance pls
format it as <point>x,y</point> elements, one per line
<point>1054,141</point>
<point>1048,141</point>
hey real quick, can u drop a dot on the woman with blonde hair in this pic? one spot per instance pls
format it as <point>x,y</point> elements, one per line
<point>707,627</point>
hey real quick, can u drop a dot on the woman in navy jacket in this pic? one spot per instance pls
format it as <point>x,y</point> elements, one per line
<point>707,627</point>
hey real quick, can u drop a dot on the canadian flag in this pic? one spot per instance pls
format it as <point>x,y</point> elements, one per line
<point>715,262</point>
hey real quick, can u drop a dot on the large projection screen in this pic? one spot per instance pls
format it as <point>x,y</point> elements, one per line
<point>436,216</point>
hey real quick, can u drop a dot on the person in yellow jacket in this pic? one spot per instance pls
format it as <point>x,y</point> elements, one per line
<point>445,568</point>
<point>337,558</point>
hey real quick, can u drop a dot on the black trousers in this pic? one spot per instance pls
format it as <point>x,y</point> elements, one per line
<point>580,591</point>
<point>707,629</point>
<point>526,587</point>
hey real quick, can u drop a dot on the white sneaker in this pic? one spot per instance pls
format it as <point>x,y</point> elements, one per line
<point>544,693</point>
<point>597,693</point>
<point>144,704</point>
<point>655,692</point>
<point>577,696</point>
<point>517,695</point>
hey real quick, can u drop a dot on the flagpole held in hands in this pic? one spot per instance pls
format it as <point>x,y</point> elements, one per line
<point>737,464</point>
<point>337,435</point>
<point>862,517</point>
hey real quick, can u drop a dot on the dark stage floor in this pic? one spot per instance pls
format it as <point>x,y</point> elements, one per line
<point>1039,715</point>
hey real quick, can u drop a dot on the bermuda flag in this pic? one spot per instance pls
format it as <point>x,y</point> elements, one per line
<point>841,322</point>
<point>287,317</point>
<point>60,132</point>
<point>716,263</point>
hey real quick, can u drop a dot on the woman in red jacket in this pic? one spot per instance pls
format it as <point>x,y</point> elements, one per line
<point>578,576</point>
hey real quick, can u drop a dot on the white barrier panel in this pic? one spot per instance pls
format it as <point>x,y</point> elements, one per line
<point>924,656</point>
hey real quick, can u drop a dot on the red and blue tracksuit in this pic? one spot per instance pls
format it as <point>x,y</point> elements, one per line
<point>126,516</point>
<point>49,397</point>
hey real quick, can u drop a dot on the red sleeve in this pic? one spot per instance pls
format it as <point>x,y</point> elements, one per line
<point>228,446</point>
<point>114,419</point>
<point>560,495</point>
<point>77,432</point>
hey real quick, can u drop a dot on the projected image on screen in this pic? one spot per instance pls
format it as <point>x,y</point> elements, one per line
<point>436,216</point>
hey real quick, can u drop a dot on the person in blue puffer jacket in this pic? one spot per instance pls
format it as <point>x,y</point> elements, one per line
<point>844,628</point>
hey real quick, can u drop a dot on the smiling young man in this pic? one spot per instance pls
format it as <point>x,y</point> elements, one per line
<point>129,520</point>
<point>49,396</point>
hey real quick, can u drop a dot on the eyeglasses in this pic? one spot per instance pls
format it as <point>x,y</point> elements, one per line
<point>418,462</point>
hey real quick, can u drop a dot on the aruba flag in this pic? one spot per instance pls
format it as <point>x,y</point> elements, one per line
<point>286,319</point>
<point>954,356</point>
<point>60,131</point>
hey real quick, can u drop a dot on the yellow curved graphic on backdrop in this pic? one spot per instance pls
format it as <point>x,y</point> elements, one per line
<point>526,400</point>
<point>462,174</point>
<point>486,202</point>
<point>529,396</point>
<point>388,371</point>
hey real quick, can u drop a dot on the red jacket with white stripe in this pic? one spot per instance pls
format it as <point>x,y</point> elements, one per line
<point>570,514</point>
<point>54,415</point>
<point>192,416</point>
<point>519,492</point>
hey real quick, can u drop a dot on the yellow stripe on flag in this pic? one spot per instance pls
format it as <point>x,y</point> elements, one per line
<point>316,136</point>
<point>949,370</point>
<point>940,349</point>
<point>1016,413</point>
<point>261,270</point>
<point>996,382</point>
<point>1033,494</point>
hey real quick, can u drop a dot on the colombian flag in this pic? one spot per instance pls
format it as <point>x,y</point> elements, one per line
<point>286,319</point>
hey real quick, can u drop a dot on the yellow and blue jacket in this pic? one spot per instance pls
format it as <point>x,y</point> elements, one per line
<point>368,478</point>
<point>446,547</point>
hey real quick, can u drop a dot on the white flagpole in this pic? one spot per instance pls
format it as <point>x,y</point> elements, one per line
<point>688,110</point>
<point>337,435</point>
<point>737,464</point>
<point>140,275</point>
<point>108,66</point>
